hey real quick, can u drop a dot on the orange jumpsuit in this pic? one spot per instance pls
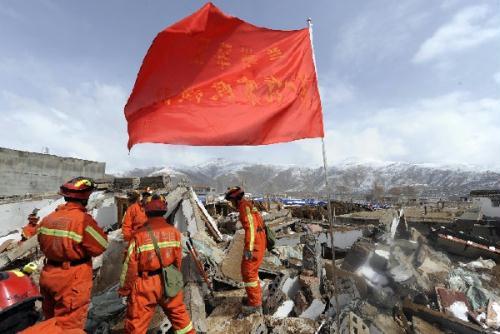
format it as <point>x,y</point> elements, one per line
<point>29,231</point>
<point>255,242</point>
<point>69,237</point>
<point>141,279</point>
<point>134,219</point>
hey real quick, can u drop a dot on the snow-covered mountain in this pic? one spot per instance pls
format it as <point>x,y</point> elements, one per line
<point>348,177</point>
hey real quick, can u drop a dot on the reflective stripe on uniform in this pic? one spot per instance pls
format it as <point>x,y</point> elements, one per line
<point>103,242</point>
<point>163,244</point>
<point>252,228</point>
<point>125,264</point>
<point>60,233</point>
<point>185,329</point>
<point>251,284</point>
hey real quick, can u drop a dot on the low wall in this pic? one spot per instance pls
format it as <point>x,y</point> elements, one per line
<point>35,173</point>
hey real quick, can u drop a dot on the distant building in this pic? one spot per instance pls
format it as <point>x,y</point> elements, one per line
<point>205,193</point>
<point>488,201</point>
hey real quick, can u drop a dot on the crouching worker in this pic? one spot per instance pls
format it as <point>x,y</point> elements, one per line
<point>150,274</point>
<point>30,229</point>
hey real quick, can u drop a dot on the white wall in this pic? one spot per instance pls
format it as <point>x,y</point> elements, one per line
<point>487,207</point>
<point>15,215</point>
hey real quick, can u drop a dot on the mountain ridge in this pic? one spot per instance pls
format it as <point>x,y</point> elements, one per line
<point>347,178</point>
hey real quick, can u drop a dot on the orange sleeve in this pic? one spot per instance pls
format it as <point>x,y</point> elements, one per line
<point>128,218</point>
<point>94,240</point>
<point>130,270</point>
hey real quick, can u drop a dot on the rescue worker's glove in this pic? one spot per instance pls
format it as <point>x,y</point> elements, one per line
<point>248,255</point>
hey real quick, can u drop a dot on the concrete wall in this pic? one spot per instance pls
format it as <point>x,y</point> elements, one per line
<point>26,172</point>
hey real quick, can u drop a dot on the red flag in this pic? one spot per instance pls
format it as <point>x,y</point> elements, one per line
<point>212,79</point>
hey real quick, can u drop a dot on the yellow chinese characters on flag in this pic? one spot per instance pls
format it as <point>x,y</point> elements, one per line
<point>211,79</point>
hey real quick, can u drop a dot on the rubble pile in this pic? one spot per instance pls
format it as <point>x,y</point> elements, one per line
<point>390,274</point>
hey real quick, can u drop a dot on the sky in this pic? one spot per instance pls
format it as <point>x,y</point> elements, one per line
<point>411,81</point>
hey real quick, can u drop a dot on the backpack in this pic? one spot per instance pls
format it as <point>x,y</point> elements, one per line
<point>171,277</point>
<point>270,237</point>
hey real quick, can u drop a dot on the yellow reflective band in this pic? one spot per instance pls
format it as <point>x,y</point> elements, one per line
<point>103,242</point>
<point>185,329</point>
<point>86,182</point>
<point>123,218</point>
<point>125,264</point>
<point>251,284</point>
<point>17,272</point>
<point>60,233</point>
<point>163,244</point>
<point>252,229</point>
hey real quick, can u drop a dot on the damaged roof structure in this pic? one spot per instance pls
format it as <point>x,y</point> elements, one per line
<point>392,273</point>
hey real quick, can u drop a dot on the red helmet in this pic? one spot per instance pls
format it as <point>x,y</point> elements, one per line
<point>79,188</point>
<point>234,193</point>
<point>155,203</point>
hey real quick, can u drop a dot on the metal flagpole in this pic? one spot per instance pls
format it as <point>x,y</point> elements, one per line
<point>329,203</point>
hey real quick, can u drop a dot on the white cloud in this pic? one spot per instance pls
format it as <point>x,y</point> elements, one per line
<point>87,123</point>
<point>335,93</point>
<point>377,34</point>
<point>496,77</point>
<point>469,28</point>
<point>452,128</point>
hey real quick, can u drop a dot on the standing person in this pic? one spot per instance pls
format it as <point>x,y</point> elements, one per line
<point>141,278</point>
<point>254,250</point>
<point>134,217</point>
<point>29,230</point>
<point>69,237</point>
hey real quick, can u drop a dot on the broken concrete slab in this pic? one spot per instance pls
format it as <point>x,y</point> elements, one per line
<point>443,320</point>
<point>284,310</point>
<point>314,310</point>
<point>291,286</point>
<point>300,302</point>
<point>231,265</point>
<point>493,314</point>
<point>291,325</point>
<point>353,324</point>
<point>223,319</point>
<point>311,287</point>
<point>112,262</point>
<point>311,254</point>
<point>24,249</point>
<point>193,299</point>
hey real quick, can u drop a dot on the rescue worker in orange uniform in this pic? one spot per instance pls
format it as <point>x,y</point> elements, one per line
<point>30,229</point>
<point>254,250</point>
<point>141,279</point>
<point>134,217</point>
<point>69,237</point>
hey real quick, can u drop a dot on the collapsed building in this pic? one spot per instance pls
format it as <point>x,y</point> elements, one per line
<point>394,271</point>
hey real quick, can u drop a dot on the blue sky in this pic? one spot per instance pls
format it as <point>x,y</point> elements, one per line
<point>414,81</point>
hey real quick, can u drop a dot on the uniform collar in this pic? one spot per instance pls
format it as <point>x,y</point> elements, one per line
<point>72,206</point>
<point>156,220</point>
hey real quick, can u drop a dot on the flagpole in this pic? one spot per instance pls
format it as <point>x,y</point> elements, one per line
<point>329,203</point>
